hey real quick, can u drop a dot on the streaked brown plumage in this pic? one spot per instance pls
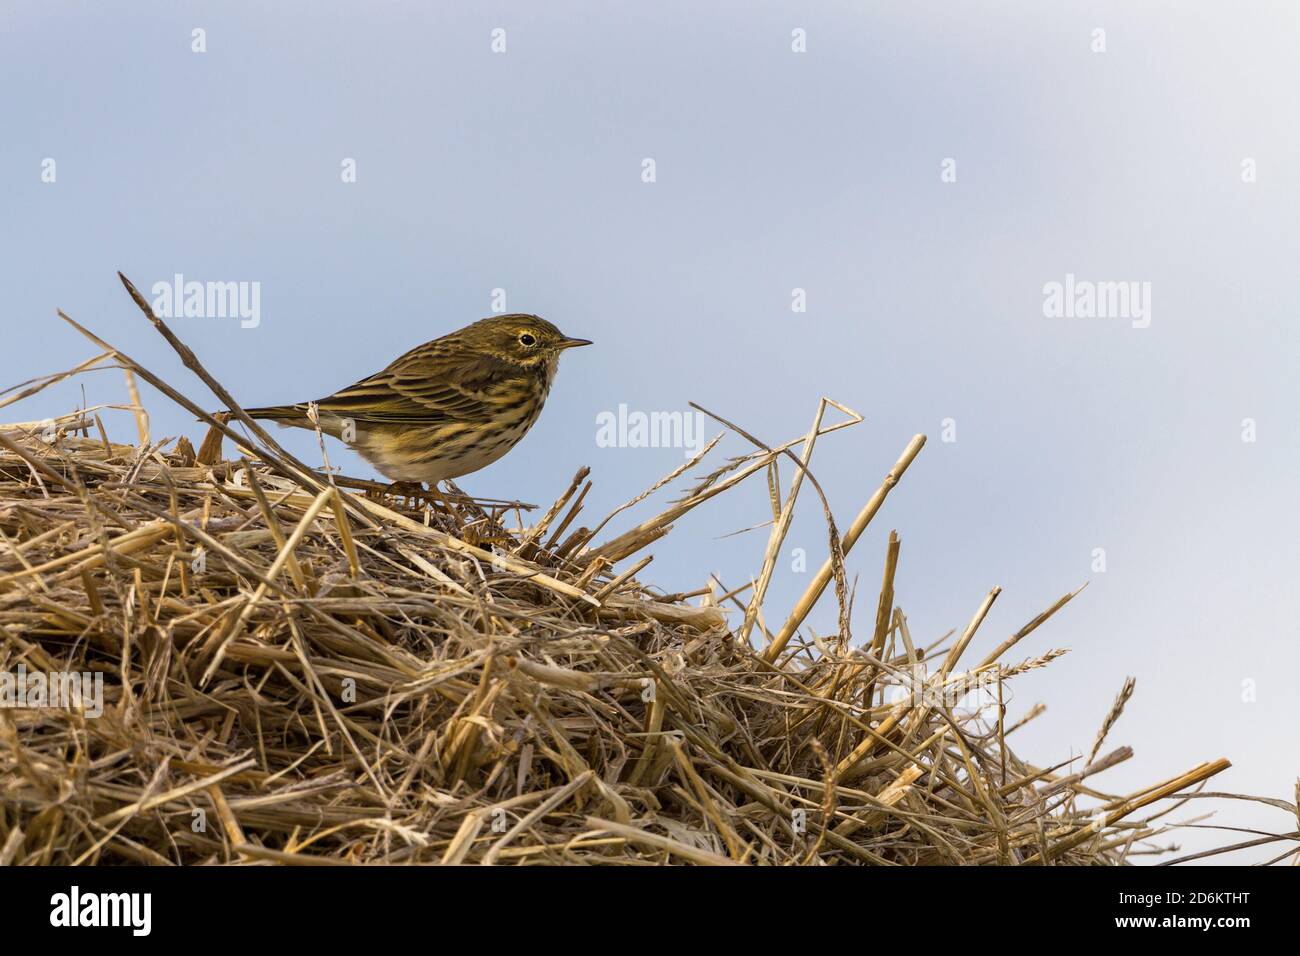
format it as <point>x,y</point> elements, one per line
<point>448,407</point>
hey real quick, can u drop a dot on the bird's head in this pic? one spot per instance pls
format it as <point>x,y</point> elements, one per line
<point>525,340</point>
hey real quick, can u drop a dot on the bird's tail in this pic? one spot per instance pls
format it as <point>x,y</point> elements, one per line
<point>284,414</point>
<point>295,416</point>
<point>289,416</point>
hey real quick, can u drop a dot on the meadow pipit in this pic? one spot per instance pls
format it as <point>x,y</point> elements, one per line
<point>448,407</point>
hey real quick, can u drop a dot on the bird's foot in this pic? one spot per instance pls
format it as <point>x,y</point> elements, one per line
<point>418,497</point>
<point>406,489</point>
<point>411,490</point>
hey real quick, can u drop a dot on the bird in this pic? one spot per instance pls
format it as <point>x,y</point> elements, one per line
<point>445,408</point>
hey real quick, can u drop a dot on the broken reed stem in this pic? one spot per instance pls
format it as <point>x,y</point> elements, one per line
<point>647,531</point>
<point>781,527</point>
<point>141,416</point>
<point>968,635</point>
<point>884,611</point>
<point>1028,629</point>
<point>1191,778</point>
<point>805,604</point>
<point>34,386</point>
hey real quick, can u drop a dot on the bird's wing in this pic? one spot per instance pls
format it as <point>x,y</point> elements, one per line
<point>426,385</point>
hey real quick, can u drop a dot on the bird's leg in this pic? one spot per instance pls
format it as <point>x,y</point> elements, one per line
<point>412,491</point>
<point>438,499</point>
<point>417,496</point>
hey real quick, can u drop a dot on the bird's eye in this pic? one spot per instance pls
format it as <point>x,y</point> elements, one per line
<point>527,340</point>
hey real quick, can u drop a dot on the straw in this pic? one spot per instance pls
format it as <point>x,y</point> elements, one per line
<point>302,671</point>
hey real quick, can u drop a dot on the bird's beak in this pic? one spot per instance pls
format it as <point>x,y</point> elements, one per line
<point>573,343</point>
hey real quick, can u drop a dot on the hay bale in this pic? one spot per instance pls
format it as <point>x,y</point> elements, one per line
<point>312,672</point>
